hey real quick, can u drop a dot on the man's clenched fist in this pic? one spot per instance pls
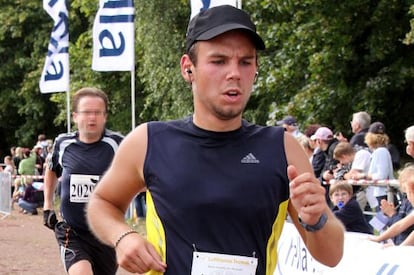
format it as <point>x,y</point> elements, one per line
<point>49,219</point>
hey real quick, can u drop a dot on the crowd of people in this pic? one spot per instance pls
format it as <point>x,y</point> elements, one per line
<point>368,156</point>
<point>26,166</point>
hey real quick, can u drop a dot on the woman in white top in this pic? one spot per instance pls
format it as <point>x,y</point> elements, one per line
<point>381,164</point>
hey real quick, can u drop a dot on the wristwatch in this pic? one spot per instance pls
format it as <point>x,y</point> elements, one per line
<point>312,228</point>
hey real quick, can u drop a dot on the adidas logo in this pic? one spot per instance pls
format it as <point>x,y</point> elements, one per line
<point>250,158</point>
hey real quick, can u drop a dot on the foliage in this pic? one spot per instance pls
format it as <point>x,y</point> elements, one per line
<point>326,60</point>
<point>166,94</point>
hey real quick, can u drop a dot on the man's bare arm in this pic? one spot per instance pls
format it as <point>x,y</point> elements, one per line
<point>307,201</point>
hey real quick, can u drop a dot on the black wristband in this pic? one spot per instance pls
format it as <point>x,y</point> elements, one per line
<point>312,228</point>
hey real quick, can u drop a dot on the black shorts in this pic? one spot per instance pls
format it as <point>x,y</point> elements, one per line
<point>76,246</point>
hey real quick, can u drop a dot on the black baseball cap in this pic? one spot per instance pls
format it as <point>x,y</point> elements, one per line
<point>218,20</point>
<point>377,128</point>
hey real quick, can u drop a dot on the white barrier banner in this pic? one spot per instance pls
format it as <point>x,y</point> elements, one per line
<point>113,36</point>
<point>200,5</point>
<point>361,256</point>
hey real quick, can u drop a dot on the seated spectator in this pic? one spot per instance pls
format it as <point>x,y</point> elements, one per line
<point>394,216</point>
<point>347,209</point>
<point>29,200</point>
<point>17,189</point>
<point>406,179</point>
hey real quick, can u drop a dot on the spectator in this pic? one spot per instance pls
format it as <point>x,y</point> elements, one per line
<point>326,143</point>
<point>318,156</point>
<point>306,144</point>
<point>409,140</point>
<point>290,125</point>
<point>38,150</point>
<point>9,165</point>
<point>311,129</point>
<point>28,201</point>
<point>406,179</point>
<point>17,158</point>
<point>43,143</point>
<point>9,168</point>
<point>12,151</point>
<point>352,164</point>
<point>359,124</point>
<point>27,166</point>
<point>381,165</point>
<point>347,209</point>
<point>395,214</point>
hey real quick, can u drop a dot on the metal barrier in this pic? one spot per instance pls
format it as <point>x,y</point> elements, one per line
<point>5,194</point>
<point>392,185</point>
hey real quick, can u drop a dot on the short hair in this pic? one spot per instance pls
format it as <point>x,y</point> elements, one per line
<point>409,134</point>
<point>406,177</point>
<point>192,53</point>
<point>304,141</point>
<point>363,119</point>
<point>311,129</point>
<point>377,140</point>
<point>343,148</point>
<point>340,186</point>
<point>41,137</point>
<point>88,91</point>
<point>26,152</point>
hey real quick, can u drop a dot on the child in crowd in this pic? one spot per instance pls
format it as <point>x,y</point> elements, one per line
<point>347,209</point>
<point>406,179</point>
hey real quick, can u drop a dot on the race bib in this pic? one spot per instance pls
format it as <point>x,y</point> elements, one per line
<point>81,187</point>
<point>222,264</point>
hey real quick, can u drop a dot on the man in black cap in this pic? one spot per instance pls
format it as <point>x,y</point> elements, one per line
<point>218,187</point>
<point>291,126</point>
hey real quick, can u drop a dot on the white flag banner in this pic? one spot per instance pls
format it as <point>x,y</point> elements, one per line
<point>199,5</point>
<point>55,74</point>
<point>113,36</point>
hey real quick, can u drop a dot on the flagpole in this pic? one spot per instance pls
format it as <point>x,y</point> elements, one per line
<point>239,4</point>
<point>68,109</point>
<point>133,97</point>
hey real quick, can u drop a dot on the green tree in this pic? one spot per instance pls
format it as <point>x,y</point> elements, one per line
<point>22,114</point>
<point>326,60</point>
